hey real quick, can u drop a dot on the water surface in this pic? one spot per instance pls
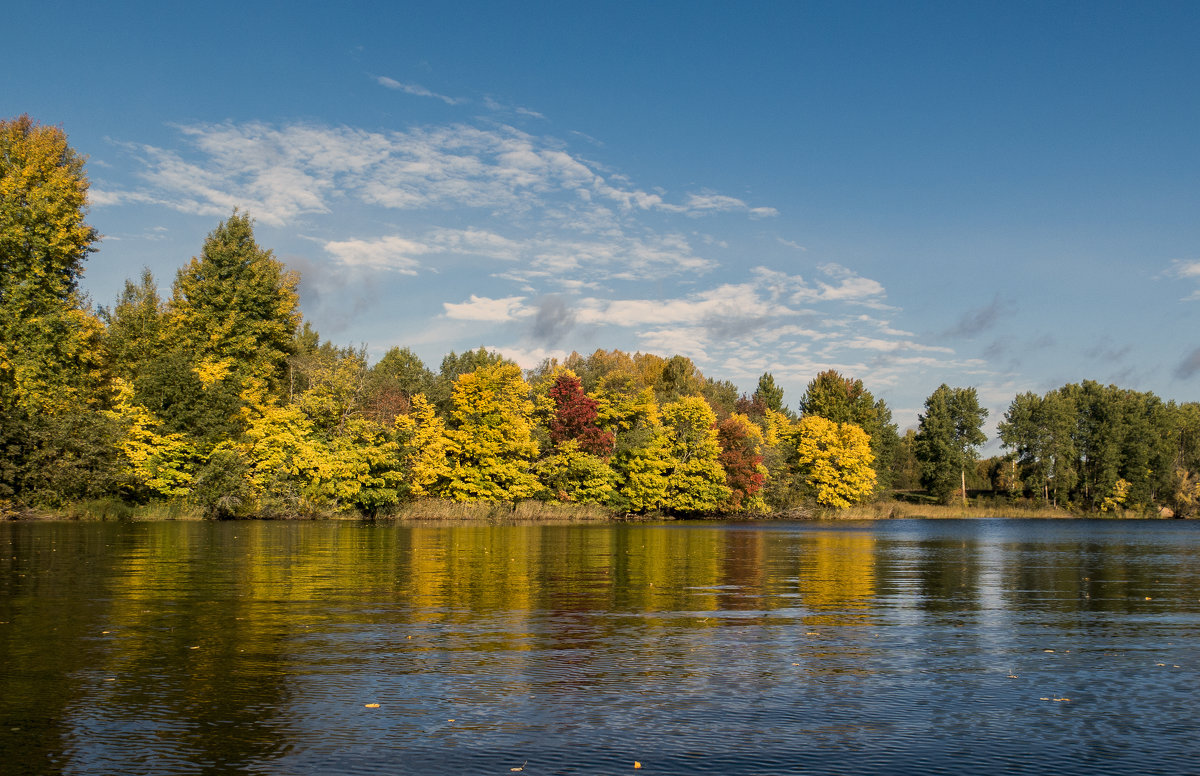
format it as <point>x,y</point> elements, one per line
<point>893,647</point>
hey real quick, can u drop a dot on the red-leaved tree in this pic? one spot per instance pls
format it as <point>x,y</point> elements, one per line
<point>575,418</point>
<point>741,458</point>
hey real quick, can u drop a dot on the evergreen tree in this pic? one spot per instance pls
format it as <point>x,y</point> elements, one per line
<point>133,328</point>
<point>234,310</point>
<point>948,435</point>
<point>769,394</point>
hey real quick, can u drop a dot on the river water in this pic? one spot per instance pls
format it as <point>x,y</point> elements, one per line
<point>892,647</point>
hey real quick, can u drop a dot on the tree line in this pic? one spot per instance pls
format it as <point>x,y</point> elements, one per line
<point>220,397</point>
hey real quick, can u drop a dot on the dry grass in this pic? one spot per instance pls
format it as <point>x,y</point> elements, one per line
<point>884,510</point>
<point>524,511</point>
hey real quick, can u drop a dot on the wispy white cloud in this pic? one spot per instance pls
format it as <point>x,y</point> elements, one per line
<point>280,173</point>
<point>481,308</point>
<point>844,285</point>
<point>415,90</point>
<point>495,105</point>
<point>387,253</point>
<point>1186,270</point>
<point>709,202</point>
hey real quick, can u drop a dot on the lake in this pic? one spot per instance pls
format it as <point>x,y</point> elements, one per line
<point>890,647</point>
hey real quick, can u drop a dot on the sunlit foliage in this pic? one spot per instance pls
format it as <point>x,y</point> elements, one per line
<point>835,460</point>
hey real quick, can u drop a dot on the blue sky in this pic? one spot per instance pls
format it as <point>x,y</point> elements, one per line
<point>1001,195</point>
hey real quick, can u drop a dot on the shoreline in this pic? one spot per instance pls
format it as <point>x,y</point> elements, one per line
<point>542,512</point>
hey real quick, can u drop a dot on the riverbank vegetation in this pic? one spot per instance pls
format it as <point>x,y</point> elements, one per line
<point>219,401</point>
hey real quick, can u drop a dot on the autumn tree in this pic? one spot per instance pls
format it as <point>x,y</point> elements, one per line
<point>49,342</point>
<point>642,456</point>
<point>834,460</point>
<point>423,449</point>
<point>492,448</point>
<point>842,399</point>
<point>696,480</point>
<point>53,387</point>
<point>455,365</point>
<point>575,417</point>
<point>949,433</point>
<point>741,457</point>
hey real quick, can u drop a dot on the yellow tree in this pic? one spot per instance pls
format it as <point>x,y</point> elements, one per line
<point>358,468</point>
<point>281,450</point>
<point>49,341</point>
<point>423,443</point>
<point>835,460</point>
<point>570,474</point>
<point>492,447</point>
<point>642,456</point>
<point>155,463</point>
<point>696,482</point>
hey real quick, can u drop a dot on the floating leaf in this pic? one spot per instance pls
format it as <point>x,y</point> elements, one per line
<point>636,764</point>
<point>370,705</point>
<point>520,767</point>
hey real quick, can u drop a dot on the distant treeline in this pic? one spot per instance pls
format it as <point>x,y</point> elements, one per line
<point>221,399</point>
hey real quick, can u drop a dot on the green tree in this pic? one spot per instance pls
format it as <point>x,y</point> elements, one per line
<point>769,394</point>
<point>948,434</point>
<point>234,311</point>
<point>1041,431</point>
<point>570,474</point>
<point>133,328</point>
<point>393,382</point>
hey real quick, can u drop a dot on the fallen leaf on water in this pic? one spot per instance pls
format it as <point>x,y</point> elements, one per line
<point>193,647</point>
<point>1012,676</point>
<point>636,764</point>
<point>795,664</point>
<point>1047,650</point>
<point>520,767</point>
<point>370,705</point>
<point>449,720</point>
